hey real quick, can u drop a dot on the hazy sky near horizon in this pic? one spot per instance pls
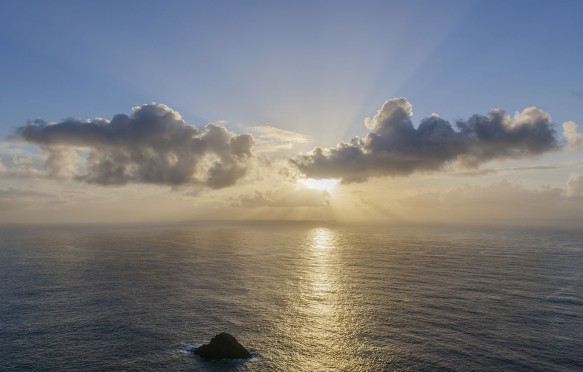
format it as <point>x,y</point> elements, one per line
<point>486,126</point>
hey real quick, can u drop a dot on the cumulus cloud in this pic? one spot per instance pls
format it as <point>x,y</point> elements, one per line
<point>574,138</point>
<point>394,147</point>
<point>152,145</point>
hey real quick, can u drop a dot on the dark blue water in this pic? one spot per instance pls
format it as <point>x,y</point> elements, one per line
<point>300,296</point>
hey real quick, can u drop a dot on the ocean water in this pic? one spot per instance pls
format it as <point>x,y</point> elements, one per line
<point>301,296</point>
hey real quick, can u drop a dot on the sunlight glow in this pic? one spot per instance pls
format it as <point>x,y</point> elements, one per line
<point>326,184</point>
<point>322,238</point>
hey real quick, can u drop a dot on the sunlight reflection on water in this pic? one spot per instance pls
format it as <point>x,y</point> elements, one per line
<point>321,274</point>
<point>322,329</point>
<point>317,297</point>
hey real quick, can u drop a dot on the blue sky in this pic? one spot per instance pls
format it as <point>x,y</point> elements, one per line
<point>261,62</point>
<point>316,68</point>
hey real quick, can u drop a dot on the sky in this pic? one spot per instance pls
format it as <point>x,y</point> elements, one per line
<point>388,111</point>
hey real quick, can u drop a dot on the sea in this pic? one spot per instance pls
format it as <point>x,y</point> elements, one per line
<point>301,296</point>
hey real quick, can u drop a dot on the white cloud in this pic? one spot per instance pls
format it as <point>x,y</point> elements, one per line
<point>575,186</point>
<point>271,139</point>
<point>574,138</point>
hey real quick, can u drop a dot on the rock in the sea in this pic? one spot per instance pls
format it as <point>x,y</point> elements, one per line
<point>222,346</point>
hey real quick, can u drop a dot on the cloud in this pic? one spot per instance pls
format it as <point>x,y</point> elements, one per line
<point>394,147</point>
<point>16,161</point>
<point>284,196</point>
<point>498,202</point>
<point>575,186</point>
<point>20,161</point>
<point>551,166</point>
<point>12,198</point>
<point>270,139</point>
<point>152,145</point>
<point>574,138</point>
<point>504,194</point>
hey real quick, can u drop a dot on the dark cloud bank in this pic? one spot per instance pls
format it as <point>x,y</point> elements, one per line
<point>152,145</point>
<point>394,147</point>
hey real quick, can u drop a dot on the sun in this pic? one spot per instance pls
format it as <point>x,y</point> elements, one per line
<point>325,184</point>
